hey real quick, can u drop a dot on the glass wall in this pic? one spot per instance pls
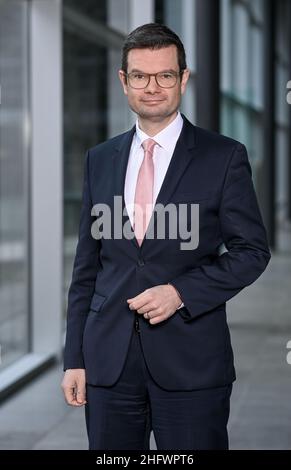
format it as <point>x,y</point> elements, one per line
<point>282,110</point>
<point>180,17</point>
<point>14,215</point>
<point>242,75</point>
<point>94,106</point>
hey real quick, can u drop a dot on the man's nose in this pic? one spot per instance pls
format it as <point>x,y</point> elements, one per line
<point>152,86</point>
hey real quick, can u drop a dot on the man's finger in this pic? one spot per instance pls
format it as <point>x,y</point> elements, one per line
<point>153,314</point>
<point>146,308</point>
<point>69,395</point>
<point>138,303</point>
<point>158,319</point>
<point>81,394</point>
<point>72,399</point>
<point>139,297</point>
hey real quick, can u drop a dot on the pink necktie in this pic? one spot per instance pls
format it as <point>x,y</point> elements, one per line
<point>143,200</point>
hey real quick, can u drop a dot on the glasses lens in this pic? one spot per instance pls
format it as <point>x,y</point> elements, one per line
<point>166,79</point>
<point>138,80</point>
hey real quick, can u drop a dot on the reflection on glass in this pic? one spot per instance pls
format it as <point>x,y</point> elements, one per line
<point>241,78</point>
<point>93,108</point>
<point>13,182</point>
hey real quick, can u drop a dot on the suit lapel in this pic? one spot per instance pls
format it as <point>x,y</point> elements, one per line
<point>179,162</point>
<point>120,160</point>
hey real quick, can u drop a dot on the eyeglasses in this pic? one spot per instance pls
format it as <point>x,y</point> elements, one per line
<point>140,80</point>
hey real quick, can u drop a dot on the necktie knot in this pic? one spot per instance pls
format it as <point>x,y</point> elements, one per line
<point>148,145</point>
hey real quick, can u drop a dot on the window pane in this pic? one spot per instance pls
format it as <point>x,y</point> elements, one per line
<point>180,17</point>
<point>94,106</point>
<point>13,182</point>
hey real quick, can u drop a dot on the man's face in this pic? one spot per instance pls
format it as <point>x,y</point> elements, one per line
<point>154,102</point>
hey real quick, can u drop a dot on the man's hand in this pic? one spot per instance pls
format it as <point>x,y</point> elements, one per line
<point>74,387</point>
<point>157,303</point>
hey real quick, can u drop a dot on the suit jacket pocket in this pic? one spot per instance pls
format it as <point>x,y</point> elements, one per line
<point>97,302</point>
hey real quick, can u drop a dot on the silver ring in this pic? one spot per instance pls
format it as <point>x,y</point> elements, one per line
<point>147,315</point>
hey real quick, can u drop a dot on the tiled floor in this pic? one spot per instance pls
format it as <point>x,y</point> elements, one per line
<point>260,321</point>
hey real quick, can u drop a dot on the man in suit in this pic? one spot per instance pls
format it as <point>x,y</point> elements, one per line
<point>148,346</point>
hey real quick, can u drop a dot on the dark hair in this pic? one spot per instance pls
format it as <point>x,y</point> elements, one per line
<point>153,36</point>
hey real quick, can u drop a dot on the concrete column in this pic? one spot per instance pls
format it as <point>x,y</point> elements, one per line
<point>46,175</point>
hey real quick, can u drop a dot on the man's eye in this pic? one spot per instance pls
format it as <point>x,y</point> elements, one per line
<point>167,76</point>
<point>138,76</point>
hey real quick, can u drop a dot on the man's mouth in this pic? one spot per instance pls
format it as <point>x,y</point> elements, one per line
<point>152,101</point>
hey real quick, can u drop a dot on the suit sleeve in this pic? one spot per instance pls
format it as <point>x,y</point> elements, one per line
<point>206,287</point>
<point>83,280</point>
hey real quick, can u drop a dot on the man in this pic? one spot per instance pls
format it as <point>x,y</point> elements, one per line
<point>148,346</point>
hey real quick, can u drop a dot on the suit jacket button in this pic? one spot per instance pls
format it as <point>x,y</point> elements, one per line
<point>141,262</point>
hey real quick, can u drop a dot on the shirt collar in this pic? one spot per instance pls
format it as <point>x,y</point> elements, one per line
<point>166,138</point>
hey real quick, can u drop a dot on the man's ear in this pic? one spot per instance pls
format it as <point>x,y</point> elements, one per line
<point>184,80</point>
<point>123,80</point>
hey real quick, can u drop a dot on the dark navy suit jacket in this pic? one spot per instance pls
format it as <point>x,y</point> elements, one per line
<point>192,349</point>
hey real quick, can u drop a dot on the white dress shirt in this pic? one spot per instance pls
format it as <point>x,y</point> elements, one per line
<point>163,152</point>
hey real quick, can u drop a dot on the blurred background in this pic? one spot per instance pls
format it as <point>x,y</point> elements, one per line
<point>60,95</point>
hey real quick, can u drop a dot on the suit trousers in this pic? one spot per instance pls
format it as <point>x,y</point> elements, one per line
<point>122,416</point>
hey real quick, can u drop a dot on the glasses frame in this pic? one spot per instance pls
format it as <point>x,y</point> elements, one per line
<point>149,75</point>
